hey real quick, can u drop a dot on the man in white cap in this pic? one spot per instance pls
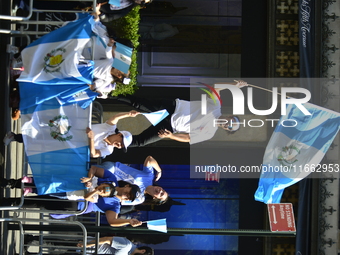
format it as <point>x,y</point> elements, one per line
<point>104,137</point>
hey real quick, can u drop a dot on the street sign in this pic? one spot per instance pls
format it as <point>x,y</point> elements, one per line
<point>212,176</point>
<point>281,217</point>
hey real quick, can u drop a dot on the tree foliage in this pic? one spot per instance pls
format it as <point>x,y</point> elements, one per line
<point>127,27</point>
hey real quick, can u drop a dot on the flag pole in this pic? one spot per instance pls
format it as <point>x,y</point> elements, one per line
<point>171,231</point>
<point>257,87</point>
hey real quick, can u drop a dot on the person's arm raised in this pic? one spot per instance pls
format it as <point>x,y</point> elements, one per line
<point>150,161</point>
<point>114,119</point>
<point>240,84</point>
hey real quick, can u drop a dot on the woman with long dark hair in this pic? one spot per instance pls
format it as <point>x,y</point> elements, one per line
<point>108,205</point>
<point>144,178</point>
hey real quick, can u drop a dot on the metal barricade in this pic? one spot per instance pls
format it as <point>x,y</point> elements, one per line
<point>17,217</point>
<point>43,236</point>
<point>24,22</point>
<point>97,117</point>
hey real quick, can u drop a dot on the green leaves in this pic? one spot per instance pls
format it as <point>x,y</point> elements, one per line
<point>128,27</point>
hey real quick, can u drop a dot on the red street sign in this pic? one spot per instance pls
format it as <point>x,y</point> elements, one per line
<point>281,217</point>
<point>212,176</point>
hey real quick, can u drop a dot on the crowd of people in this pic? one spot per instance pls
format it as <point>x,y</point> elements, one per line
<point>114,188</point>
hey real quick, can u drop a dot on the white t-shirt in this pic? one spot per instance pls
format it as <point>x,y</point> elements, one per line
<point>187,118</point>
<point>119,246</point>
<point>101,131</point>
<point>102,72</point>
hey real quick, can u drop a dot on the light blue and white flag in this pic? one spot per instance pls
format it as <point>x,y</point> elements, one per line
<point>156,117</point>
<point>32,94</point>
<point>122,59</point>
<point>56,145</point>
<point>157,225</point>
<point>115,2</point>
<point>83,98</point>
<point>294,152</point>
<point>53,58</point>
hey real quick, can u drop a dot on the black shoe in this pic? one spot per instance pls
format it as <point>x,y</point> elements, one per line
<point>4,183</point>
<point>14,183</point>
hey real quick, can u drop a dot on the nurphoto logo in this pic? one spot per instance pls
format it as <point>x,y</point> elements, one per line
<point>238,104</point>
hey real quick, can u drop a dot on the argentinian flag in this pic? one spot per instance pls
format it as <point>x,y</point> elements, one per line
<point>292,152</point>
<point>122,59</point>
<point>54,58</point>
<point>56,145</point>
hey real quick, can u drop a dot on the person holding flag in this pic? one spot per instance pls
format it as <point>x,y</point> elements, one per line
<point>150,193</point>
<point>144,178</point>
<point>185,123</point>
<point>296,149</point>
<point>104,137</point>
<point>107,69</point>
<point>109,201</point>
<point>103,55</point>
<point>61,59</point>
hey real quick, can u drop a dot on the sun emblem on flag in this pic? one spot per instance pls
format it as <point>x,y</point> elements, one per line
<point>53,60</point>
<point>288,155</point>
<point>60,128</point>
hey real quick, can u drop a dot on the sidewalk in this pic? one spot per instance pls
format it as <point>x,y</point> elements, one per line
<point>12,157</point>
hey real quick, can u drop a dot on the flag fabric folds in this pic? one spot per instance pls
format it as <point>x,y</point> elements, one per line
<point>83,98</point>
<point>56,145</point>
<point>53,58</point>
<point>55,96</point>
<point>34,93</point>
<point>157,225</point>
<point>122,59</point>
<point>156,117</point>
<point>295,149</point>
